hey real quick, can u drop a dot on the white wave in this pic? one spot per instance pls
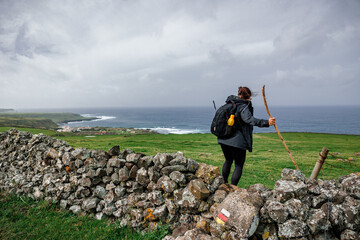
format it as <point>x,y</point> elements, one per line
<point>99,118</point>
<point>164,130</point>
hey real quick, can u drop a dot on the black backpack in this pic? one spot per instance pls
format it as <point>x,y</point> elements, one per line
<point>219,125</point>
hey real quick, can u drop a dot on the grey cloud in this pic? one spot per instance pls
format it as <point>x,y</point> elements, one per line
<point>176,53</point>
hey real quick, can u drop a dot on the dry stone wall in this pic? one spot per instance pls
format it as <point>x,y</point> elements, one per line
<point>142,191</point>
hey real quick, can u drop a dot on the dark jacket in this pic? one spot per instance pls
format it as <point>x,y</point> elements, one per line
<point>244,122</point>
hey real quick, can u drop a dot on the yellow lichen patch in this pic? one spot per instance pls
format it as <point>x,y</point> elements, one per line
<point>265,235</point>
<point>150,216</point>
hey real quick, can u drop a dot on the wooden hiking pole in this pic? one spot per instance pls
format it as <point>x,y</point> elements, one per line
<point>322,156</point>
<point>277,130</point>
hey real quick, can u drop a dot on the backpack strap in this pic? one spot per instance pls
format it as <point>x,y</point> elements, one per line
<point>233,110</point>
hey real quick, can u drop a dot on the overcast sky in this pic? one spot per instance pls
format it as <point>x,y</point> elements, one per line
<point>107,53</point>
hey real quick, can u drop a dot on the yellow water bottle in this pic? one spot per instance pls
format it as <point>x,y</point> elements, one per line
<point>230,122</point>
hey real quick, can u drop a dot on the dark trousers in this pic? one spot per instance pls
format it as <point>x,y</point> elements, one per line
<point>236,155</point>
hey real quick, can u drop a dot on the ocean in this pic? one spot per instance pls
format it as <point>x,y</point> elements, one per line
<point>184,120</point>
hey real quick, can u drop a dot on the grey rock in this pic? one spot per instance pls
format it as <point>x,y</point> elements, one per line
<point>169,169</point>
<point>115,178</point>
<point>153,174</point>
<point>293,229</point>
<point>292,175</point>
<point>100,206</point>
<point>319,200</point>
<point>123,174</point>
<point>179,159</point>
<point>351,185</point>
<point>63,204</point>
<point>145,162</point>
<point>171,206</point>
<point>277,211</point>
<point>114,162</point>
<point>133,172</point>
<point>160,213</point>
<point>156,198</point>
<point>241,212</point>
<point>114,151</point>
<point>178,177</point>
<point>82,192</point>
<point>37,193</point>
<point>351,210</point>
<point>99,216</point>
<point>109,197</point>
<point>100,172</point>
<point>349,235</point>
<point>216,184</point>
<point>120,191</point>
<point>76,209</point>
<point>79,163</point>
<point>52,153</point>
<point>89,203</point>
<point>336,216</point>
<point>207,172</point>
<point>192,166</point>
<point>198,189</point>
<point>166,184</point>
<point>109,210</point>
<point>285,190</point>
<point>187,201</point>
<point>110,186</point>
<point>318,222</point>
<point>133,157</point>
<point>99,192</point>
<point>297,209</point>
<point>142,177</point>
<point>85,182</point>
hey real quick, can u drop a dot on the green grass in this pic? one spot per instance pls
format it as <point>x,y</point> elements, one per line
<point>24,218</point>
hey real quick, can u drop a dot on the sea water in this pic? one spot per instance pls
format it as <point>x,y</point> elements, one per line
<point>183,120</point>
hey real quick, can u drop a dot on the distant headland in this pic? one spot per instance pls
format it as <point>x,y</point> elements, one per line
<point>6,110</point>
<point>10,117</point>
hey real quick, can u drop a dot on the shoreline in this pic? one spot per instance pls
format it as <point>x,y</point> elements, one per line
<point>150,130</point>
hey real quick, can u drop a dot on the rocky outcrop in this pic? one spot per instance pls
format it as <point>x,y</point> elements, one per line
<point>144,191</point>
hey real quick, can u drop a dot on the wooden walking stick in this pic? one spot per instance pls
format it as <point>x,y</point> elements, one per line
<point>277,130</point>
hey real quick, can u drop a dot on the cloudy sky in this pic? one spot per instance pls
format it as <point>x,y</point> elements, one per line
<point>177,53</point>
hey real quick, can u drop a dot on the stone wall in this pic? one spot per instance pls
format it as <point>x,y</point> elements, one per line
<point>143,191</point>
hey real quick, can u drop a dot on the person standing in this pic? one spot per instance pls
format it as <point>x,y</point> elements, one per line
<point>235,146</point>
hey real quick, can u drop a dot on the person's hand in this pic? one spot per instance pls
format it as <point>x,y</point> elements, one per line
<point>272,121</point>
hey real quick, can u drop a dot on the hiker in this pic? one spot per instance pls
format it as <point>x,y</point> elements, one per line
<point>235,146</point>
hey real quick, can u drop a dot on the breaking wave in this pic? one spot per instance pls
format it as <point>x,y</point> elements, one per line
<point>165,130</point>
<point>99,118</point>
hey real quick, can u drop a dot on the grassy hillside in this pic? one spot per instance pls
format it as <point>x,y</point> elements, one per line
<point>38,120</point>
<point>2,110</point>
<point>27,122</point>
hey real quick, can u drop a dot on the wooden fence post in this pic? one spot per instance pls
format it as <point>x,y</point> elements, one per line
<point>322,156</point>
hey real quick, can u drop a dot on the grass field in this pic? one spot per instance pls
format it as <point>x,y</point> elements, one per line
<point>23,218</point>
<point>20,217</point>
